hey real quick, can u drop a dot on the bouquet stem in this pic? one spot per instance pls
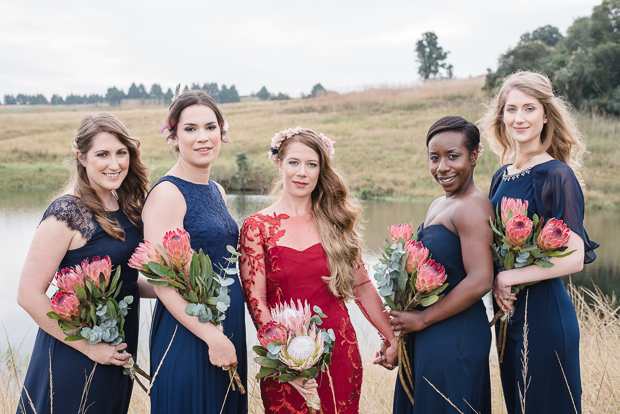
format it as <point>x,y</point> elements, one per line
<point>314,402</point>
<point>232,373</point>
<point>134,369</point>
<point>402,357</point>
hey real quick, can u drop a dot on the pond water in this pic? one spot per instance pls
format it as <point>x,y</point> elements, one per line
<point>20,214</point>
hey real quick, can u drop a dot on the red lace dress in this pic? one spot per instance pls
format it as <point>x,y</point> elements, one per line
<point>282,259</point>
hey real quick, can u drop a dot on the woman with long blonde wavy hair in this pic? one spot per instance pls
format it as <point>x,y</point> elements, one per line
<point>526,122</point>
<point>307,246</point>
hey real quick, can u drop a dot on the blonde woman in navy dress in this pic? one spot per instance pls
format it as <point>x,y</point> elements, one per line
<point>526,123</point>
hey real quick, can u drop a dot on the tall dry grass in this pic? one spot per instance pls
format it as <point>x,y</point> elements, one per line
<point>599,322</point>
<point>379,133</point>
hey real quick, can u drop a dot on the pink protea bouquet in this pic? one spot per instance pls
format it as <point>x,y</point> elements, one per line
<point>520,242</point>
<point>291,346</point>
<point>407,277</point>
<point>85,306</point>
<point>191,274</point>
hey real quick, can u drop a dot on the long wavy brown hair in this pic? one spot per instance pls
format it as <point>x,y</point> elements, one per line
<point>337,215</point>
<point>134,187</point>
<point>560,136</point>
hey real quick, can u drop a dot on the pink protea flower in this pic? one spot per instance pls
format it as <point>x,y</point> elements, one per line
<point>518,230</point>
<point>272,332</point>
<point>96,267</point>
<point>65,304</point>
<point>401,230</point>
<point>515,205</point>
<point>430,276</point>
<point>66,279</point>
<point>178,247</point>
<point>417,255</point>
<point>554,235</point>
<point>144,254</point>
<point>294,318</point>
<point>303,351</point>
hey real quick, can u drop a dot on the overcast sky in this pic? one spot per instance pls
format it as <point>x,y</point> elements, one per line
<point>86,46</point>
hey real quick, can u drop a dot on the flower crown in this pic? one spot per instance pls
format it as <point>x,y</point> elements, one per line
<point>278,139</point>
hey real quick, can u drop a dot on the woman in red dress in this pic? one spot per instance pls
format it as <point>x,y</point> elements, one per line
<point>307,246</point>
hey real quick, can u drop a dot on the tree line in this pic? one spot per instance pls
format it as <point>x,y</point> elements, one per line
<point>114,96</point>
<point>584,65</point>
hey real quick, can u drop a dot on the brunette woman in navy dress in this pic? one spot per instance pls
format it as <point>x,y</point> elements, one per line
<point>527,123</point>
<point>190,378</point>
<point>98,214</point>
<point>449,342</point>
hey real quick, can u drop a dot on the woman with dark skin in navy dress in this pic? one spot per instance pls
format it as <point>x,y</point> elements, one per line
<point>98,214</point>
<point>527,123</point>
<point>449,342</point>
<point>190,378</point>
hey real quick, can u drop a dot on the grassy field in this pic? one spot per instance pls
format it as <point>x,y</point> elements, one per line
<point>599,324</point>
<point>380,135</point>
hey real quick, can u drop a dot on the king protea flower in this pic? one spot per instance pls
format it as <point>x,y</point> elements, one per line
<point>65,304</point>
<point>144,254</point>
<point>93,269</point>
<point>515,205</point>
<point>294,318</point>
<point>401,230</point>
<point>303,350</point>
<point>518,230</point>
<point>272,332</point>
<point>178,247</point>
<point>417,255</point>
<point>554,235</point>
<point>66,279</point>
<point>430,276</point>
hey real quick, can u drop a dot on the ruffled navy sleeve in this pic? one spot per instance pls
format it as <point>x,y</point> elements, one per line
<point>559,194</point>
<point>72,212</point>
<point>497,178</point>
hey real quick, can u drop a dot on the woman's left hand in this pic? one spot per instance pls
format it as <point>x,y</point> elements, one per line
<point>388,356</point>
<point>407,321</point>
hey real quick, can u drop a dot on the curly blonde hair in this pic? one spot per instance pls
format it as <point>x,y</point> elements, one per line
<point>337,215</point>
<point>560,136</point>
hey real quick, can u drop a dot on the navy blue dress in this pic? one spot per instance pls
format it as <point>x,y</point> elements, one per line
<point>453,355</point>
<point>186,381</point>
<point>552,191</point>
<point>110,389</point>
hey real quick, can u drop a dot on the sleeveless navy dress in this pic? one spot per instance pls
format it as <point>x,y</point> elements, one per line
<point>186,381</point>
<point>552,191</point>
<point>110,389</point>
<point>453,355</point>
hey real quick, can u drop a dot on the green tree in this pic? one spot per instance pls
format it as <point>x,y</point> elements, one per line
<point>317,90</point>
<point>114,96</point>
<point>168,95</point>
<point>526,56</point>
<point>280,97</point>
<point>430,56</point>
<point>212,90</point>
<point>549,35</point>
<point>133,92</point>
<point>263,94</point>
<point>10,100</point>
<point>156,91</point>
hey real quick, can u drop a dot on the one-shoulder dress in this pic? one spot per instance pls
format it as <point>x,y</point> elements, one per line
<point>450,357</point>
<point>552,191</point>
<point>110,390</point>
<point>273,273</point>
<point>186,381</point>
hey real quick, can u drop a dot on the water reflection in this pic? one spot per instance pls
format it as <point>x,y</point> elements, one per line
<point>20,214</point>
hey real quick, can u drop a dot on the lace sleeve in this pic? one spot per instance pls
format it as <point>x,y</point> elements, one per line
<point>70,210</point>
<point>368,300</point>
<point>252,270</point>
